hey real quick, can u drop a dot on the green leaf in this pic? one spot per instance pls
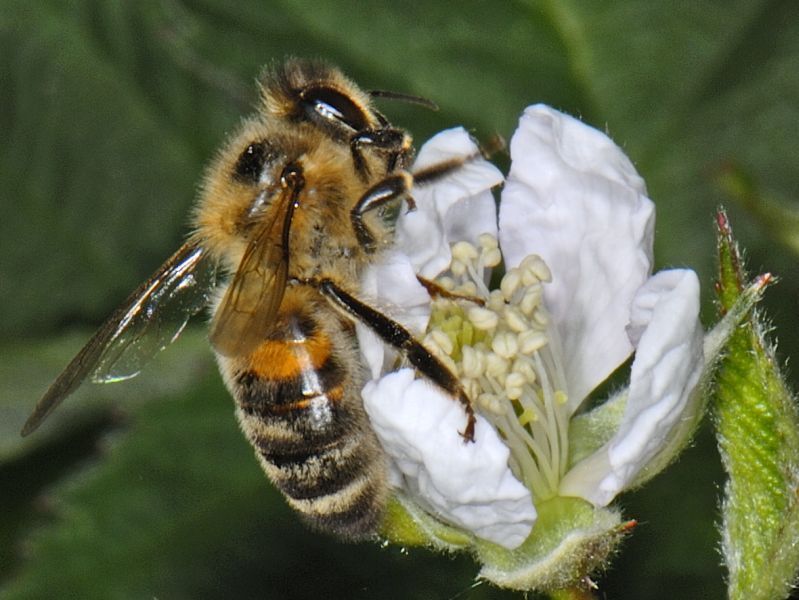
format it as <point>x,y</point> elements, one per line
<point>757,428</point>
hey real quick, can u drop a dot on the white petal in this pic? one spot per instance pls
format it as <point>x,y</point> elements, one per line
<point>442,207</point>
<point>667,366</point>
<point>574,198</point>
<point>391,286</point>
<point>467,484</point>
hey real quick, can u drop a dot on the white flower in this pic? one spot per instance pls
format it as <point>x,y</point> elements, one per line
<point>578,298</point>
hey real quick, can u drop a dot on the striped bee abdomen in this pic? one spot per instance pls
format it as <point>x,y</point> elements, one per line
<point>298,403</point>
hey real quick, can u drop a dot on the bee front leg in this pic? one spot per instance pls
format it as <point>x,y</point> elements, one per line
<point>391,141</point>
<point>396,335</point>
<point>392,188</point>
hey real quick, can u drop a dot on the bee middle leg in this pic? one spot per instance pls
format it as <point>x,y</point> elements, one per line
<point>396,335</point>
<point>438,171</point>
<point>436,290</point>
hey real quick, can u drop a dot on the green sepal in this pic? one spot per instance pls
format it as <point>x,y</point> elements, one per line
<point>571,539</point>
<point>406,524</point>
<point>592,429</point>
<point>757,429</point>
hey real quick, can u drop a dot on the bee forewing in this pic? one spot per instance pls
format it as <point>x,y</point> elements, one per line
<point>149,320</point>
<point>244,317</point>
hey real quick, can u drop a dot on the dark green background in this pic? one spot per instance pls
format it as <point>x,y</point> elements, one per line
<point>108,111</point>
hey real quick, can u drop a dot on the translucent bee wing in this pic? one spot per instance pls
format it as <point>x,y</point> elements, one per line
<point>245,315</point>
<point>156,314</point>
<point>150,319</point>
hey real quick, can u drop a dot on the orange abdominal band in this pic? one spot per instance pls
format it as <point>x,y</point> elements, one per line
<point>278,359</point>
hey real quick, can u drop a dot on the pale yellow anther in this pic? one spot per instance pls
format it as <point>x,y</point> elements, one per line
<point>537,267</point>
<point>472,362</point>
<point>467,288</point>
<point>514,385</point>
<point>496,366</point>
<point>491,403</point>
<point>457,267</point>
<point>504,355</point>
<point>471,387</point>
<point>492,257</point>
<point>530,300</point>
<point>528,276</point>
<point>464,251</point>
<point>487,241</point>
<point>495,301</point>
<point>515,319</point>
<point>442,340</point>
<point>540,268</point>
<point>510,283</point>
<point>531,341</point>
<point>482,318</point>
<point>505,344</point>
<point>523,366</point>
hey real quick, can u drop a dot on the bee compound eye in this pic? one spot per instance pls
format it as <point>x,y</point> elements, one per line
<point>254,158</point>
<point>331,106</point>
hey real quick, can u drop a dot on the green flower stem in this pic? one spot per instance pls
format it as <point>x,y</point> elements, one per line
<point>757,427</point>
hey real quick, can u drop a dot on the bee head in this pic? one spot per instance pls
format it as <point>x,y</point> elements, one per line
<point>318,93</point>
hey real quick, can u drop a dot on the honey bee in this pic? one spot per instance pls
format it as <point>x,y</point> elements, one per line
<point>294,207</point>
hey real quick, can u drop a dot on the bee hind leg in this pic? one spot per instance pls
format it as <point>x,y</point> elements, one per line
<point>396,335</point>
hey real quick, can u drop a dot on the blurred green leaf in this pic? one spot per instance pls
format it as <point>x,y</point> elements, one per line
<point>779,219</point>
<point>177,507</point>
<point>109,111</point>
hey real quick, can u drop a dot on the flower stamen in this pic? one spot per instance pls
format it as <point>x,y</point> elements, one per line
<point>503,353</point>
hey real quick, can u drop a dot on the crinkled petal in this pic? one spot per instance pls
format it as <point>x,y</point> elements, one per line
<point>574,198</point>
<point>467,484</point>
<point>457,207</point>
<point>667,366</point>
<point>391,285</point>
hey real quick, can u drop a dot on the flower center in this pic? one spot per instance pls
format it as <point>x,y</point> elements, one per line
<point>500,344</point>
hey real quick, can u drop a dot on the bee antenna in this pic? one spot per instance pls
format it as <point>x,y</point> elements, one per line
<point>410,98</point>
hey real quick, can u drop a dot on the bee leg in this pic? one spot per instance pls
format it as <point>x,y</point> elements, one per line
<point>436,290</point>
<point>356,144</point>
<point>390,189</point>
<point>395,334</point>
<point>440,170</point>
<point>387,139</point>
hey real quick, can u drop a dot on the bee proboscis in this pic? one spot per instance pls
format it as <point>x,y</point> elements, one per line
<point>295,206</point>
